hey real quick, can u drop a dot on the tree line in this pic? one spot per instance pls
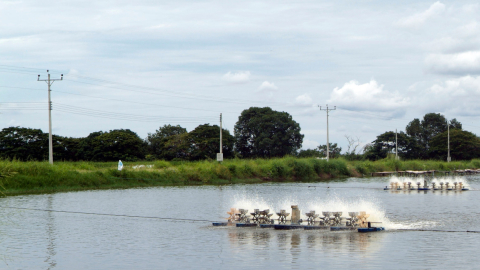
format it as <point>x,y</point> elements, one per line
<point>259,133</point>
<point>423,139</point>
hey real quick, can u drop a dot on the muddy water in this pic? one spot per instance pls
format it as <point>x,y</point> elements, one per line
<point>164,228</point>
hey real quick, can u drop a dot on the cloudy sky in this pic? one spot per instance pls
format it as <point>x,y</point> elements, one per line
<point>142,64</point>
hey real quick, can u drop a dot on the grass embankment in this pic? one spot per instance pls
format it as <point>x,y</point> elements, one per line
<point>41,177</point>
<point>390,164</point>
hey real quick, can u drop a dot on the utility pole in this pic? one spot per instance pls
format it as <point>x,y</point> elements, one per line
<point>448,128</point>
<point>396,145</point>
<point>50,143</point>
<point>221,134</point>
<point>220,155</point>
<point>328,110</point>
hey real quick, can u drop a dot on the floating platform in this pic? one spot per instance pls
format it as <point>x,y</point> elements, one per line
<point>298,227</point>
<point>372,229</point>
<point>343,228</point>
<point>220,223</point>
<point>316,227</point>
<point>287,227</point>
<point>246,225</point>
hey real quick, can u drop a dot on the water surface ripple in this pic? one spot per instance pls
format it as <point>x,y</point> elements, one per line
<point>33,239</point>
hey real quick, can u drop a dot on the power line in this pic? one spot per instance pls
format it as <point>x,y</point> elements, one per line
<point>104,114</point>
<point>171,94</point>
<point>124,86</point>
<point>128,117</point>
<point>121,100</point>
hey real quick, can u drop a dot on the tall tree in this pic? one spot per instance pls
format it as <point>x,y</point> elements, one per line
<point>177,147</point>
<point>332,147</point>
<point>205,142</point>
<point>263,132</point>
<point>116,144</point>
<point>385,144</point>
<point>23,143</point>
<point>424,131</point>
<point>67,149</point>
<point>157,141</point>
<point>464,145</point>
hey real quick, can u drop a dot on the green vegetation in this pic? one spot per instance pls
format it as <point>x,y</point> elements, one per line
<point>265,133</point>
<point>41,177</point>
<point>19,177</point>
<point>390,164</point>
<point>426,139</point>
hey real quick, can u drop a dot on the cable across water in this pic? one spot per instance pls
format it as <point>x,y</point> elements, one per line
<point>106,214</point>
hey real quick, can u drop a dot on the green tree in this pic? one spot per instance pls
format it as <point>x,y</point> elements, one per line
<point>464,145</point>
<point>157,141</point>
<point>424,131</point>
<point>205,142</point>
<point>23,144</point>
<point>66,149</point>
<point>332,147</point>
<point>385,144</point>
<point>87,146</point>
<point>177,147</point>
<point>116,144</point>
<point>263,132</point>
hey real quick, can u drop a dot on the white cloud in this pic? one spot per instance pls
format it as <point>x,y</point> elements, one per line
<point>159,26</point>
<point>268,87</point>
<point>304,100</point>
<point>457,63</point>
<point>455,97</point>
<point>469,30</point>
<point>420,18</point>
<point>239,77</point>
<point>367,97</point>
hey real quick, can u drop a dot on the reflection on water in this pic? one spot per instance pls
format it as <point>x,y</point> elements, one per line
<point>323,240</point>
<point>435,192</point>
<point>50,233</point>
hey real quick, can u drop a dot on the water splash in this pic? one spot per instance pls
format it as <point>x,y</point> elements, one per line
<point>335,204</point>
<point>411,226</point>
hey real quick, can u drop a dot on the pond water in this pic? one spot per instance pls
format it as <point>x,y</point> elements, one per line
<point>132,229</point>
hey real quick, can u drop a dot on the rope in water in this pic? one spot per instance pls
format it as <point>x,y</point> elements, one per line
<point>433,230</point>
<point>112,215</point>
<point>191,220</point>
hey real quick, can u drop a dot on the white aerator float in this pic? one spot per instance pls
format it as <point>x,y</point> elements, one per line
<point>334,221</point>
<point>457,186</point>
